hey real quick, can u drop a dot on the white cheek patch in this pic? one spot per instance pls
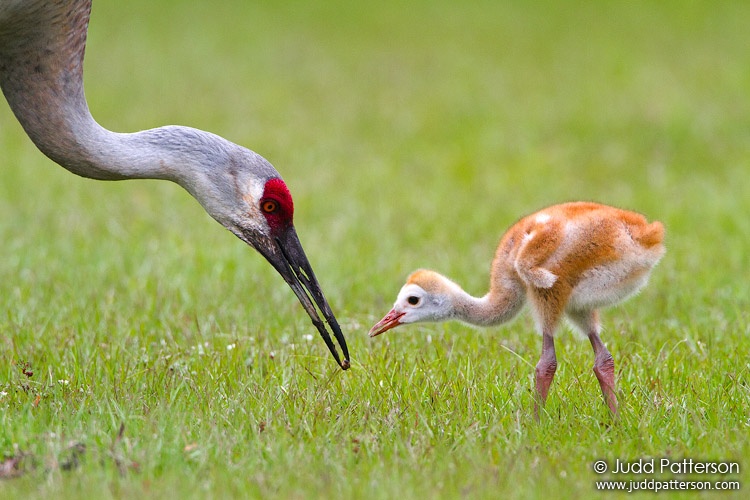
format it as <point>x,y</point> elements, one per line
<point>253,216</point>
<point>254,194</point>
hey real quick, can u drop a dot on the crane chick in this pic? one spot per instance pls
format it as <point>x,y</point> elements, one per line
<point>570,259</point>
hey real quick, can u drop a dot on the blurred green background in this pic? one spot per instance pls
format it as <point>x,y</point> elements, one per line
<point>412,134</point>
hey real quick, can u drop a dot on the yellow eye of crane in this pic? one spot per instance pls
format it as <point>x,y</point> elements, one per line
<point>269,206</point>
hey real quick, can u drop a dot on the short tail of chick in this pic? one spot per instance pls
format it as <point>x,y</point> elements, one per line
<point>648,236</point>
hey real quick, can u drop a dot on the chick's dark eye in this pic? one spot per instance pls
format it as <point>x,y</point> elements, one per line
<point>269,206</point>
<point>413,300</point>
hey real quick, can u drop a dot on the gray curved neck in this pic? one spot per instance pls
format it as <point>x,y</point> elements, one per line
<point>41,73</point>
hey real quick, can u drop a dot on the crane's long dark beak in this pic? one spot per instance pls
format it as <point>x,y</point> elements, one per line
<point>284,252</point>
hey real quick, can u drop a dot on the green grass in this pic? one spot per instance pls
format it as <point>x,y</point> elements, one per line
<point>411,136</point>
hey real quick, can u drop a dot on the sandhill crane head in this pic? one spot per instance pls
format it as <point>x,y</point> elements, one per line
<point>253,202</point>
<point>276,239</point>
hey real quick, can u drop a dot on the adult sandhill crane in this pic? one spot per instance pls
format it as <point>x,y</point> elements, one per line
<point>569,259</point>
<point>41,74</point>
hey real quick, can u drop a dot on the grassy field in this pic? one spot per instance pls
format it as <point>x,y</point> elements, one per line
<point>146,352</point>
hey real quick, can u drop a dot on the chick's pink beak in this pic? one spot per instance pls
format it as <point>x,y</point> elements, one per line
<point>391,320</point>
